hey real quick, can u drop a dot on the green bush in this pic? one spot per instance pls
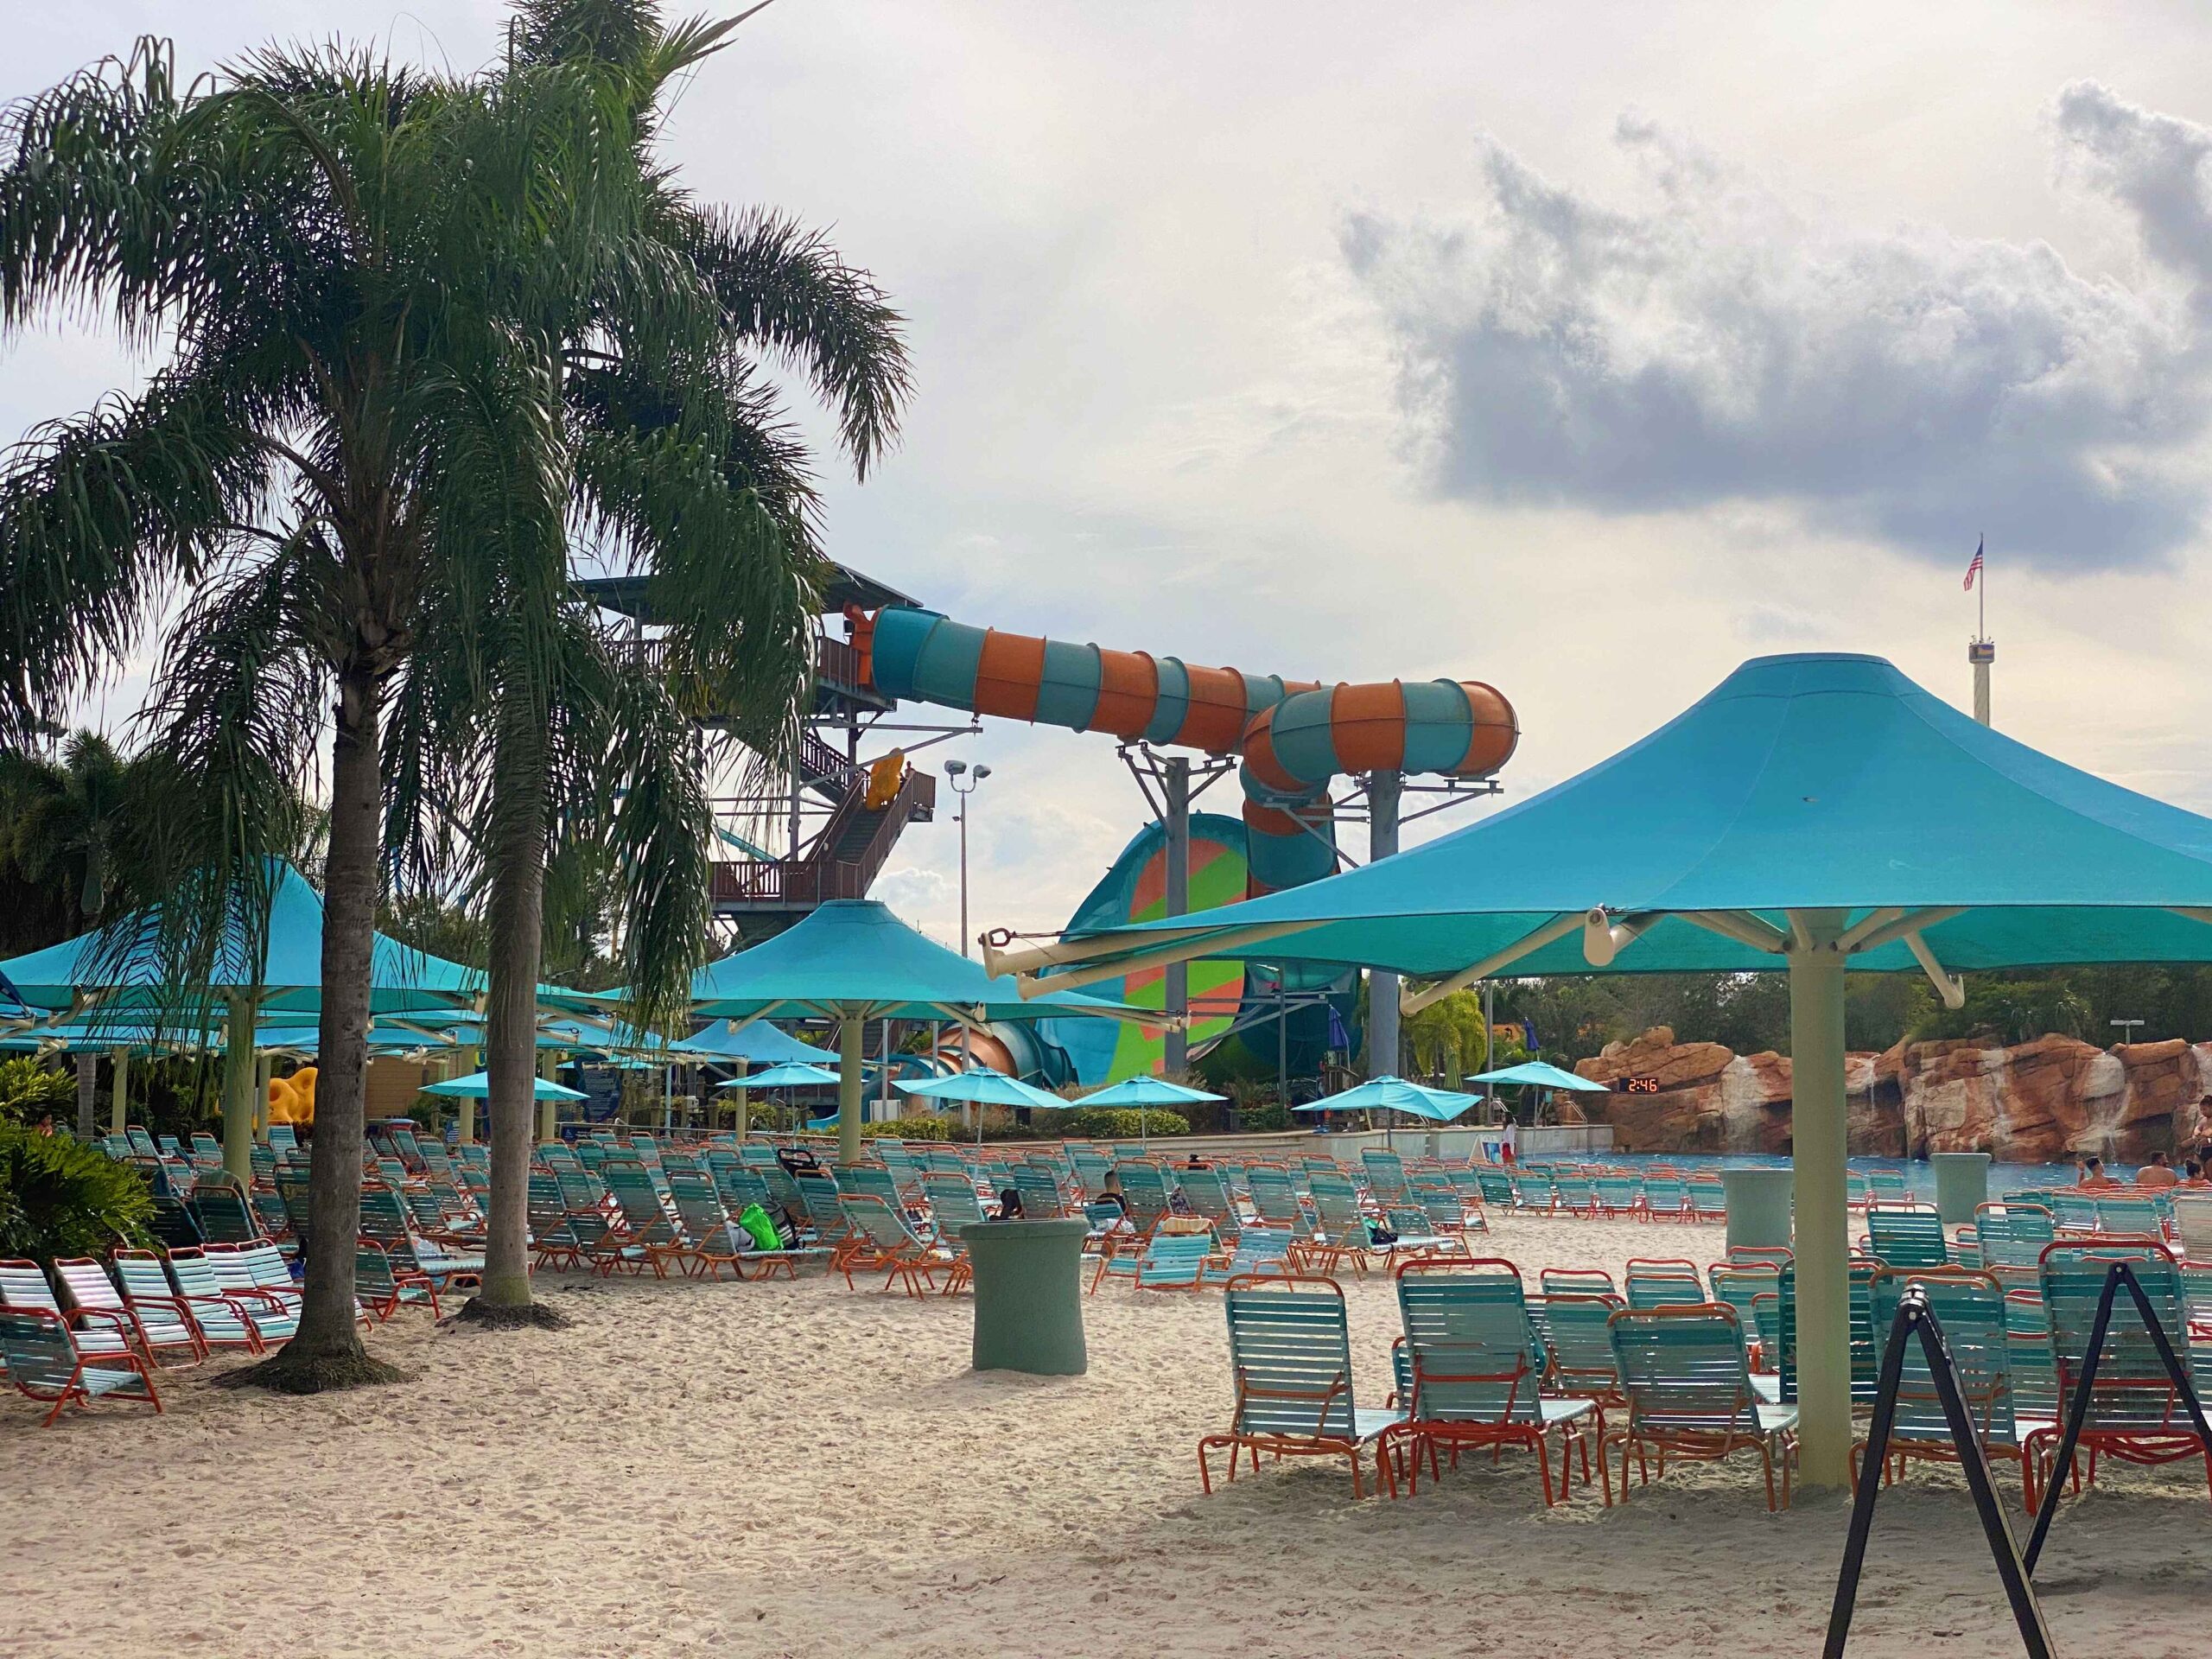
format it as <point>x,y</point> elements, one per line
<point>58,1198</point>
<point>1269,1115</point>
<point>29,1088</point>
<point>910,1128</point>
<point>1107,1124</point>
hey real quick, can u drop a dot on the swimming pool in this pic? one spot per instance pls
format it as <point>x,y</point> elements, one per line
<point>1920,1176</point>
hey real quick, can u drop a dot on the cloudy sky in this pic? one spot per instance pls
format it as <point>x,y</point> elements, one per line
<point>1585,351</point>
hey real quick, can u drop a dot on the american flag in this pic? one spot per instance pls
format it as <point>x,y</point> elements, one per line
<point>1974,568</point>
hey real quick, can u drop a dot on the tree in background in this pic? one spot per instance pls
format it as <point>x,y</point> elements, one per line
<point>347,263</point>
<point>582,756</point>
<point>64,843</point>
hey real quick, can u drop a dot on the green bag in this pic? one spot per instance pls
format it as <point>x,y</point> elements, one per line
<point>762,1230</point>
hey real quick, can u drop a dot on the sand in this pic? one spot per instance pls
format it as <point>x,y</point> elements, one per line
<point>770,1468</point>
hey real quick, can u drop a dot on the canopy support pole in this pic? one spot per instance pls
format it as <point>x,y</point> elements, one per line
<point>88,1075</point>
<point>1175,788</point>
<point>1819,1144</point>
<point>851,1057</point>
<point>264,1067</point>
<point>1949,987</point>
<point>549,1111</point>
<point>118,1119</point>
<point>1558,928</point>
<point>1383,993</point>
<point>744,1105</point>
<point>237,1091</point>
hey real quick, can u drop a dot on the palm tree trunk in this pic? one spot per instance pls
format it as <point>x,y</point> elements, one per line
<point>328,1353</point>
<point>516,910</point>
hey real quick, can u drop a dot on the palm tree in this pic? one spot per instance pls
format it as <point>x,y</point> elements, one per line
<point>365,276</point>
<point>63,828</point>
<point>573,716</point>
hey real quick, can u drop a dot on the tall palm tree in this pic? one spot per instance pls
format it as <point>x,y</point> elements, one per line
<point>63,835</point>
<point>365,276</point>
<point>587,724</point>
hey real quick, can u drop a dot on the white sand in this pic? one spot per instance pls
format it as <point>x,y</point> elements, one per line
<point>795,1469</point>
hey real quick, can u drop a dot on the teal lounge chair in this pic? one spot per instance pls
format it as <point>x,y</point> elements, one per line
<point>1708,1198</point>
<point>1475,1371</point>
<point>161,1324</point>
<point>1906,1234</point>
<point>1147,1191</point>
<point>1386,1176</point>
<point>1167,1261</point>
<point>1688,1385</point>
<point>2010,1235</point>
<point>1652,1283</point>
<point>150,1294</point>
<point>99,1331</point>
<point>1290,1353</point>
<point>49,1361</point>
<point>887,1242</point>
<point>1340,1237</point>
<point>1970,1305</point>
<point>382,1287</point>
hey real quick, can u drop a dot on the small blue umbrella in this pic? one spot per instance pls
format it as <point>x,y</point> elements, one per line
<point>981,1086</point>
<point>797,1074</point>
<point>1396,1094</point>
<point>1142,1092</point>
<point>1538,1074</point>
<point>477,1085</point>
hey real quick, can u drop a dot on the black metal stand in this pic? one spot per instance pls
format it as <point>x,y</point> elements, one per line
<point>2078,1407</point>
<point>1915,1318</point>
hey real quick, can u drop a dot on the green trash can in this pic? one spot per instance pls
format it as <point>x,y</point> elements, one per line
<point>1028,1296</point>
<point>1759,1205</point>
<point>1961,1184</point>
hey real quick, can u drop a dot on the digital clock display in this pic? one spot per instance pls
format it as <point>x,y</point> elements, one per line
<point>1636,1085</point>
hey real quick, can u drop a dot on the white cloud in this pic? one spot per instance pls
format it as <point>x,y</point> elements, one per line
<point>1717,341</point>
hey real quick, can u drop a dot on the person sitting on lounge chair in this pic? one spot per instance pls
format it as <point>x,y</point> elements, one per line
<point>1109,1192</point>
<point>1010,1204</point>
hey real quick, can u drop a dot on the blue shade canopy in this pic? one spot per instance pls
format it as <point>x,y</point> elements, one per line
<point>982,1087</point>
<point>477,1085</point>
<point>401,977</point>
<point>1149,1091</point>
<point>1814,783</point>
<point>853,958</point>
<point>1396,1094</point>
<point>145,1037</point>
<point>754,1040</point>
<point>1538,1074</point>
<point>794,1074</point>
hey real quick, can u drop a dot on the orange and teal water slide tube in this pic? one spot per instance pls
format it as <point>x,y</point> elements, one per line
<point>1295,737</point>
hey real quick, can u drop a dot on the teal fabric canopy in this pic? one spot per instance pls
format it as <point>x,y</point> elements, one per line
<point>981,1086</point>
<point>754,1040</point>
<point>853,959</point>
<point>1396,1094</point>
<point>1801,783</point>
<point>1148,1091</point>
<point>477,1085</point>
<point>1538,1074</point>
<point>120,960</point>
<point>1816,813</point>
<point>796,1074</point>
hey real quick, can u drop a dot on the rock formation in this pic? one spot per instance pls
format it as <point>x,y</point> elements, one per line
<point>2038,1101</point>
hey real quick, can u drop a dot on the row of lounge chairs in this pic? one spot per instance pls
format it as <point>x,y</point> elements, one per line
<point>1692,1370</point>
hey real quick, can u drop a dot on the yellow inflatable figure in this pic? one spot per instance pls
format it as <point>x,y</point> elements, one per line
<point>292,1100</point>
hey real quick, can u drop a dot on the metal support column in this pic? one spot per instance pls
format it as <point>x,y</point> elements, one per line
<point>1818,1141</point>
<point>1175,788</point>
<point>118,1118</point>
<point>1383,788</point>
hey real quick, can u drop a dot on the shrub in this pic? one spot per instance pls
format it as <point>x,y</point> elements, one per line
<point>29,1088</point>
<point>58,1198</point>
<point>910,1128</point>
<point>1108,1123</point>
<point>1269,1115</point>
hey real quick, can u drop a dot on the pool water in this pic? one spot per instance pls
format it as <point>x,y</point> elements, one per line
<point>1920,1177</point>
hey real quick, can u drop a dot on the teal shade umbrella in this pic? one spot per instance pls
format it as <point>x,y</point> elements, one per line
<point>1388,1094</point>
<point>1539,1074</point>
<point>851,961</point>
<point>119,966</point>
<point>796,1074</point>
<point>981,1086</point>
<point>477,1085</point>
<point>1145,1093</point>
<point>753,1040</point>
<point>1815,814</point>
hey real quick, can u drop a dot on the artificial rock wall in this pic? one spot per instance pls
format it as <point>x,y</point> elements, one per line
<point>2038,1101</point>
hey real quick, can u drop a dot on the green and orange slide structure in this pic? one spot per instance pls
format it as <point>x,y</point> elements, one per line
<point>1293,737</point>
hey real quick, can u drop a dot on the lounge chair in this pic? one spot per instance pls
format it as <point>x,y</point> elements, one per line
<point>2134,1412</point>
<point>1906,1234</point>
<point>1651,1282</point>
<point>1274,1198</point>
<point>1340,1237</point>
<point>50,1362</point>
<point>1476,1370</point>
<point>1574,1193</point>
<point>221,1211</point>
<point>254,1277</point>
<point>203,1280</point>
<point>1148,1192</point>
<point>1708,1198</point>
<point>2192,1228</point>
<point>2010,1237</point>
<point>887,1242</point>
<point>383,1287</point>
<point>215,1321</point>
<point>1290,1353</point>
<point>1621,1195</point>
<point>1970,1305</point>
<point>1687,1381</point>
<point>1167,1262</point>
<point>1386,1176</point>
<point>1576,1326</point>
<point>99,1331</point>
<point>162,1323</point>
<point>1666,1199</point>
<point>1259,1250</point>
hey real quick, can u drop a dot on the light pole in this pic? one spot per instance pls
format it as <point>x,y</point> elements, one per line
<point>2127,1028</point>
<point>955,771</point>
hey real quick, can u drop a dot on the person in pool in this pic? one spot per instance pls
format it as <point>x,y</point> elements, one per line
<point>2094,1177</point>
<point>2156,1173</point>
